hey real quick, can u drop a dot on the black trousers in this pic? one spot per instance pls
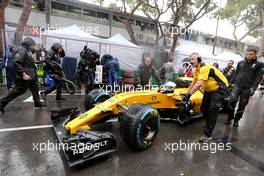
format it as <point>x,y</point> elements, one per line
<point>10,77</point>
<point>238,94</point>
<point>89,84</point>
<point>21,87</point>
<point>210,106</point>
<point>57,87</point>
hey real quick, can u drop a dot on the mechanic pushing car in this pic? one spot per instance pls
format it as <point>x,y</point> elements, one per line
<point>246,80</point>
<point>214,84</point>
<point>52,66</point>
<point>25,74</point>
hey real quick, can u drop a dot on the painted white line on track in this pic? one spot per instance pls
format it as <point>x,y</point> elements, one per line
<point>24,128</point>
<point>30,99</point>
<point>37,127</point>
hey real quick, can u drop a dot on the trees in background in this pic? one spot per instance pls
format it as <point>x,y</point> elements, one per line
<point>185,13</point>
<point>154,9</point>
<point>3,5</point>
<point>243,13</point>
<point>133,5</point>
<point>23,21</point>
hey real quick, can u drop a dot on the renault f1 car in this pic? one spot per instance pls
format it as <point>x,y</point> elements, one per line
<point>138,115</point>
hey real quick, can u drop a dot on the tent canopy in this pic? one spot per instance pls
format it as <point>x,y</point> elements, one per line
<point>185,48</point>
<point>229,56</point>
<point>188,47</point>
<point>73,39</point>
<point>128,54</point>
<point>72,32</point>
<point>120,40</point>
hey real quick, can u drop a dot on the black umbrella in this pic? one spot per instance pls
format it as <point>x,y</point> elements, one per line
<point>186,59</point>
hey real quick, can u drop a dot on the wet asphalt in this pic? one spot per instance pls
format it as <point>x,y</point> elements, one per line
<point>246,158</point>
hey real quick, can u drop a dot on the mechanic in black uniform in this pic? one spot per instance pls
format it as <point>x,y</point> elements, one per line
<point>53,61</point>
<point>25,74</point>
<point>246,80</point>
<point>146,70</point>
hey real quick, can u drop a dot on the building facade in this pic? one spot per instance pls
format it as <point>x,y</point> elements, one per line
<point>102,22</point>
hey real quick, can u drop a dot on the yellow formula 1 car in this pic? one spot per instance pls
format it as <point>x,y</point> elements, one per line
<point>138,115</point>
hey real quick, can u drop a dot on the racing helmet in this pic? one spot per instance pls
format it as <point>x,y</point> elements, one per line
<point>169,86</point>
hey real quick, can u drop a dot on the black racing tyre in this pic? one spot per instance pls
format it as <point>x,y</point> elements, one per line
<point>139,126</point>
<point>94,97</point>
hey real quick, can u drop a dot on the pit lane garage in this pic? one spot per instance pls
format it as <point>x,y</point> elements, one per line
<point>29,145</point>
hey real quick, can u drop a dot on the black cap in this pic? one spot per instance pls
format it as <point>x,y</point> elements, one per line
<point>28,42</point>
<point>56,46</point>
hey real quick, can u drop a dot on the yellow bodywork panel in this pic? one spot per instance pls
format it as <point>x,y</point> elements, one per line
<point>196,99</point>
<point>186,79</point>
<point>153,98</point>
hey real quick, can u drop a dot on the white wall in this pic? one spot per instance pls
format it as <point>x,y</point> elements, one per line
<point>39,19</point>
<point>35,19</point>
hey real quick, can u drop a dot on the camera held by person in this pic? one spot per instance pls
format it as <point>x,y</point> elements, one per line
<point>86,68</point>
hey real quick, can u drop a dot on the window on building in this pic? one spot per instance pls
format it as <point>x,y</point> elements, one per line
<point>141,24</point>
<point>221,41</point>
<point>38,5</point>
<point>16,3</point>
<point>227,44</point>
<point>187,36</point>
<point>150,26</point>
<point>117,19</point>
<point>74,9</point>
<point>89,13</point>
<point>58,6</point>
<point>212,41</point>
<point>102,15</point>
<point>208,40</point>
<point>194,38</point>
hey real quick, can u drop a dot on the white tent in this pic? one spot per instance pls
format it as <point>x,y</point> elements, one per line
<point>129,55</point>
<point>73,39</point>
<point>187,47</point>
<point>120,40</point>
<point>71,32</point>
<point>229,56</point>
